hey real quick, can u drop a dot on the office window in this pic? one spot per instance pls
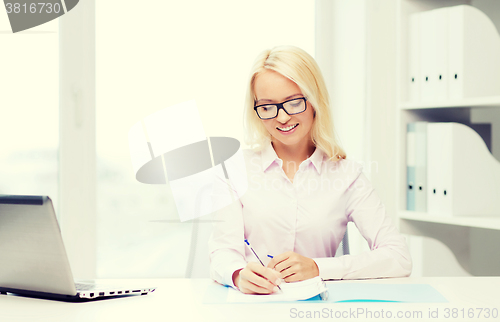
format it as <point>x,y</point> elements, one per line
<point>29,109</point>
<point>153,54</point>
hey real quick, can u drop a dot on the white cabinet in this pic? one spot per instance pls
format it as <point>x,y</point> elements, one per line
<point>473,240</point>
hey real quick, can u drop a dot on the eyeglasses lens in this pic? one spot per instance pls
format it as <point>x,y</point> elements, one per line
<point>291,107</point>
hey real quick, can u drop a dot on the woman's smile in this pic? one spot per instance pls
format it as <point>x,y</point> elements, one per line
<point>289,129</point>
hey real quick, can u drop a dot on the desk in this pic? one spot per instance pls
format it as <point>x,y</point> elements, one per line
<point>183,300</point>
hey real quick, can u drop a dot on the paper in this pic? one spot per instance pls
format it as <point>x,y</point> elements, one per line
<point>295,291</point>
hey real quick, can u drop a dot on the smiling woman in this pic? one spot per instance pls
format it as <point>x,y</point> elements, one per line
<point>301,221</point>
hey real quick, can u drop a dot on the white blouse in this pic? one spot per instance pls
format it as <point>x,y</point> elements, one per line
<point>308,216</point>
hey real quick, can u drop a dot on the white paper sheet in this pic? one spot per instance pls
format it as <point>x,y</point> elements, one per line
<point>295,291</point>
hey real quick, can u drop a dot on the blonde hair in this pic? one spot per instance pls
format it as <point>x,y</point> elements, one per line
<point>298,66</point>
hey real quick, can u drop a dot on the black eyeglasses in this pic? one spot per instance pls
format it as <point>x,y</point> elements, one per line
<point>291,107</point>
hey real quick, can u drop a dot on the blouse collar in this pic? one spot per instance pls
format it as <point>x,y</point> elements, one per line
<point>270,157</point>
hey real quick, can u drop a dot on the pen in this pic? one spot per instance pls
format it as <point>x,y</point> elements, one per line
<point>248,244</point>
<point>246,241</point>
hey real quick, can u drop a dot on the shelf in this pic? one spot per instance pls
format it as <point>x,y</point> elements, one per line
<point>466,102</point>
<point>469,238</point>
<point>486,222</point>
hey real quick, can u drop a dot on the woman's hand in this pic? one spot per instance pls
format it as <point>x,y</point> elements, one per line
<point>294,267</point>
<point>256,279</point>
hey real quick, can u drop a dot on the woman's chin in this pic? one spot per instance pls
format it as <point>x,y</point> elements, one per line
<point>286,141</point>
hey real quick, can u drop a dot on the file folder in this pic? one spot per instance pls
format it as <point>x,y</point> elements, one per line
<point>441,76</point>
<point>474,48</point>
<point>463,177</point>
<point>427,46</point>
<point>414,58</point>
<point>416,165</point>
<point>421,166</point>
<point>456,49</point>
<point>439,166</point>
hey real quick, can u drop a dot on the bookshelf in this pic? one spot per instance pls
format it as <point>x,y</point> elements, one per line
<point>466,102</point>
<point>468,237</point>
<point>484,222</point>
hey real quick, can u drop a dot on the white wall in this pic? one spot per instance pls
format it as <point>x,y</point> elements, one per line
<point>77,141</point>
<point>341,55</point>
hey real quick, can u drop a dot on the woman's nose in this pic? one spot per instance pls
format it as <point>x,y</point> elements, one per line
<point>282,116</point>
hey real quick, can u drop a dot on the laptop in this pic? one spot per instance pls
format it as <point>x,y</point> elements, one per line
<point>33,260</point>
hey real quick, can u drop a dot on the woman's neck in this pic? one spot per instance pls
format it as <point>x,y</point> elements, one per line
<point>293,153</point>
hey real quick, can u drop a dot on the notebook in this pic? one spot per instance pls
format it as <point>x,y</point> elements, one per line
<point>293,291</point>
<point>34,260</point>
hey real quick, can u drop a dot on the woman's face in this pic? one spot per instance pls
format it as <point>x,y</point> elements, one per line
<point>271,87</point>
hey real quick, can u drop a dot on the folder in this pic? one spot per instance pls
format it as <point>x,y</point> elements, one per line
<point>410,166</point>
<point>416,165</point>
<point>456,49</point>
<point>414,58</point>
<point>474,48</point>
<point>463,176</point>
<point>421,166</point>
<point>441,76</point>
<point>427,45</point>
<point>439,167</point>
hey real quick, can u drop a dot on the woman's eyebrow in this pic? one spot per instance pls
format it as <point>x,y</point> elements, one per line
<point>286,98</point>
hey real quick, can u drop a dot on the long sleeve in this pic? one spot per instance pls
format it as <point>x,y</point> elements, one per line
<point>388,256</point>
<point>226,248</point>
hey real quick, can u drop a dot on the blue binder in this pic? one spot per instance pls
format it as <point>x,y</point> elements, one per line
<point>410,166</point>
<point>416,166</point>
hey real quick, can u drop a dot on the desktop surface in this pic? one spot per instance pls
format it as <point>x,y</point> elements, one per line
<point>185,300</point>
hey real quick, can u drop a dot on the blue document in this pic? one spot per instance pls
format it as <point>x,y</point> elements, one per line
<point>404,293</point>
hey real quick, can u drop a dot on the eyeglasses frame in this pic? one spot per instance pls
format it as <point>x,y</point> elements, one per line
<point>280,106</point>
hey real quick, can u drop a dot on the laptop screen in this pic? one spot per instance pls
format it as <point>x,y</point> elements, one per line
<point>31,246</point>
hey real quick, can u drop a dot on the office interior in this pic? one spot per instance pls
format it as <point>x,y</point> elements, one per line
<point>72,88</point>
